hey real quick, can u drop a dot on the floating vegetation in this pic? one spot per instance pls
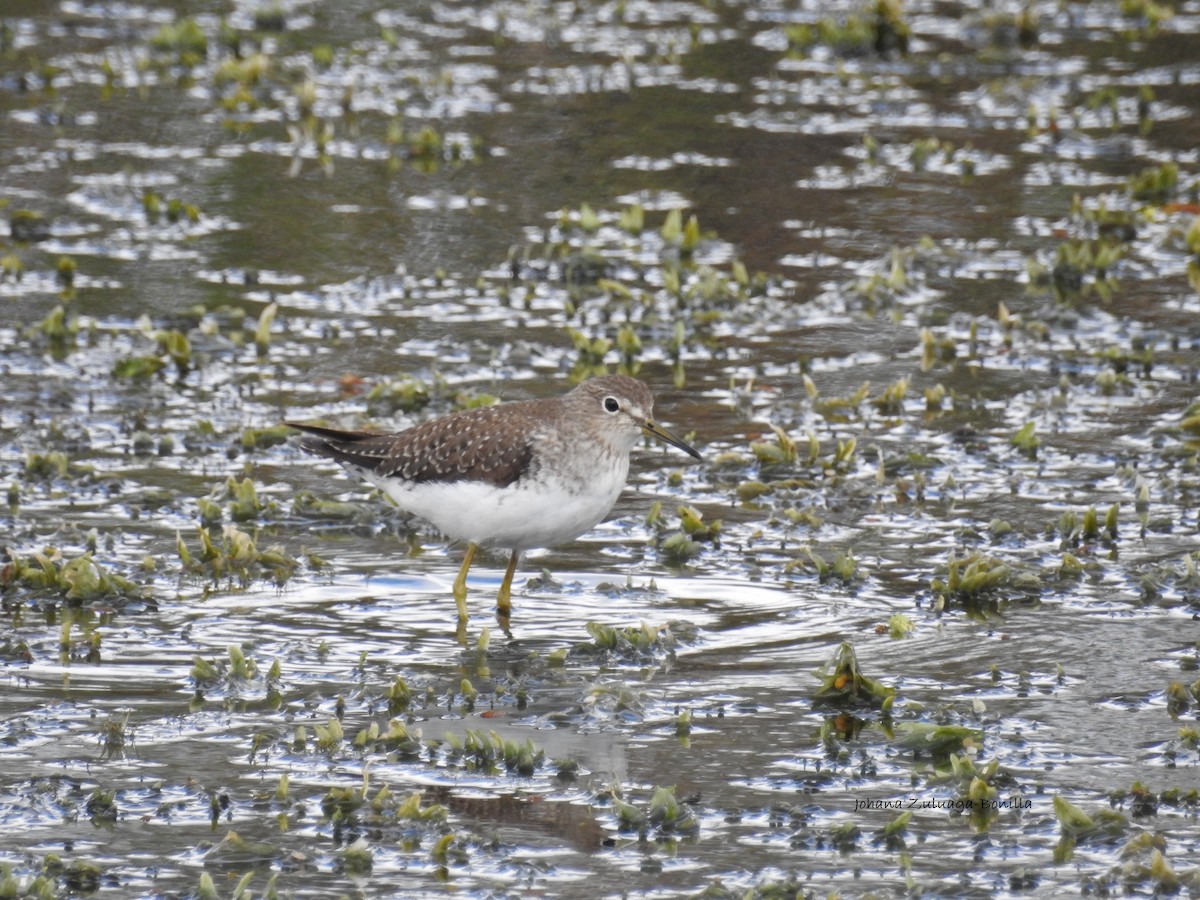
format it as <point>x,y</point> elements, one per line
<point>238,499</point>
<point>978,787</point>
<point>663,815</point>
<point>235,556</point>
<point>683,545</point>
<point>977,577</point>
<point>262,331</point>
<point>843,567</point>
<point>55,465</point>
<point>636,644</point>
<point>883,31</point>
<point>78,580</point>
<point>1155,185</point>
<point>844,685</point>
<point>28,226</point>
<point>938,741</point>
<point>899,625</point>
<point>307,505</point>
<point>174,210</point>
<point>235,674</point>
<point>1077,825</point>
<point>265,437</point>
<point>782,451</point>
<point>404,394</point>
<point>1026,440</point>
<point>489,752</point>
<point>184,41</point>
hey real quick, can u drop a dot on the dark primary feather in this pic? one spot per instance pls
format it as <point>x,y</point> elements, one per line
<point>474,445</point>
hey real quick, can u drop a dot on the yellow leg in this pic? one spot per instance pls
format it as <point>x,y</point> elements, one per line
<point>504,597</point>
<point>460,583</point>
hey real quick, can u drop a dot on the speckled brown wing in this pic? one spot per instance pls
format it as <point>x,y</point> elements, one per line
<point>485,445</point>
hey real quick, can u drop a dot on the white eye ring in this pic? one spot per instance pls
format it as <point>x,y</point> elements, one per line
<point>612,405</point>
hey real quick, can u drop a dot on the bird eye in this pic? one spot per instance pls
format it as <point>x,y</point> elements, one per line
<point>611,404</point>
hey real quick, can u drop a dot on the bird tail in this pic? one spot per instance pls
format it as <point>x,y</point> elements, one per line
<point>333,443</point>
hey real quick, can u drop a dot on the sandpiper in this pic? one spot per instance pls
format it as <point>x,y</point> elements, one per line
<point>531,473</point>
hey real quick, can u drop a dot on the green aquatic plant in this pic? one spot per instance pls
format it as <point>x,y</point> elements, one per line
<point>841,409</point>
<point>634,643</point>
<point>976,785</point>
<point>891,401</point>
<point>234,672</point>
<point>664,812</point>
<point>629,345</point>
<point>262,331</point>
<point>1077,825</point>
<point>977,577</point>
<point>64,271</point>
<point>668,814</point>
<point>155,205</point>
<point>1178,698</point>
<point>184,39</point>
<point>681,546</point>
<point>398,739</point>
<point>686,237</point>
<point>843,683</point>
<point>1189,421</point>
<point>780,452</point>
<point>843,568</point>
<point>176,347</point>
<point>936,740</point>
<point>693,524</point>
<point>234,555</point>
<point>1081,267</point>
<point>590,355</point>
<point>900,625</point>
<point>54,465</point>
<point>1149,14</point>
<point>265,437</point>
<point>749,491</point>
<point>406,393</point>
<point>922,149</point>
<point>1026,440</point>
<point>587,218</point>
<point>632,219</point>
<point>79,579</point>
<point>1141,503</point>
<point>241,498</point>
<point>329,738</point>
<point>308,506</point>
<point>270,17</point>
<point>28,226</point>
<point>138,367</point>
<point>11,267</point>
<point>881,29</point>
<point>81,876</point>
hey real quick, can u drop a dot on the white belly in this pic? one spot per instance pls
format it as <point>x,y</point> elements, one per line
<point>513,518</point>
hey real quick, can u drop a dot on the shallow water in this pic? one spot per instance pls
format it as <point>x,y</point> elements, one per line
<point>907,220</point>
